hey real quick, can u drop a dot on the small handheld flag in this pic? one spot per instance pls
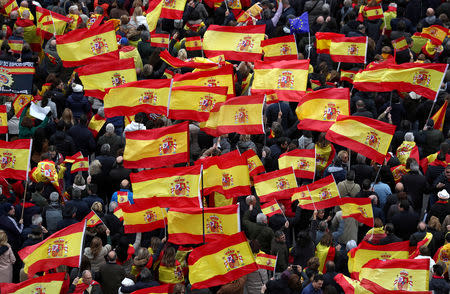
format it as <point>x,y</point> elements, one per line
<point>299,24</point>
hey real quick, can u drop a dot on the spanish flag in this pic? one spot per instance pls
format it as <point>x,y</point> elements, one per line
<point>143,217</point>
<point>324,156</point>
<point>86,46</point>
<point>173,9</point>
<point>281,48</point>
<point>318,110</point>
<point>106,75</point>
<point>61,248</point>
<point>406,150</point>
<point>302,160</point>
<point>47,284</point>
<point>323,194</point>
<point>118,212</point>
<point>367,136</point>
<point>430,49</point>
<point>221,262</point>
<point>163,289</point>
<point>10,6</point>
<point>73,158</point>
<point>351,286</point>
<point>287,78</point>
<point>195,102</point>
<point>20,102</point>
<point>279,184</point>
<point>193,43</point>
<point>254,163</point>
<point>254,12</point>
<point>150,96</point>
<point>400,44</point>
<point>349,49</point>
<point>398,274</point>
<point>160,40</point>
<point>439,117</point>
<point>242,115</point>
<point>169,187</point>
<point>241,43</point>
<point>442,255</point>
<point>226,174</point>
<point>371,287</point>
<point>359,256</point>
<point>92,219</point>
<point>191,63</point>
<point>301,194</point>
<point>271,208</point>
<point>157,147</point>
<point>15,159</point>
<point>348,75</point>
<point>323,41</point>
<point>373,12</point>
<point>398,172</point>
<point>324,254</point>
<point>45,172</point>
<point>418,42</point>
<point>435,33</point>
<point>81,164</point>
<point>95,124</point>
<point>94,21</point>
<point>16,46</point>
<point>185,224</point>
<point>49,23</point>
<point>153,13</point>
<point>3,120</point>
<point>423,78</point>
<point>266,261</point>
<point>30,34</point>
<point>357,208</point>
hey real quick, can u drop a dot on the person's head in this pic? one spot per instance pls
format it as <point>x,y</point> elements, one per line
<point>109,129</point>
<point>145,275</point>
<point>182,54</point>
<point>443,195</point>
<point>87,277</point>
<point>112,256</point>
<point>424,250</point>
<point>95,167</point>
<point>36,220</point>
<point>54,197</point>
<point>378,223</point>
<point>96,246</point>
<point>330,266</point>
<point>99,10</point>
<point>403,205</point>
<point>113,205</point>
<point>168,258</point>
<point>317,282</point>
<point>389,229</point>
<point>3,238</point>
<point>438,270</point>
<point>422,227</point>
<point>147,70</point>
<point>92,189</point>
<point>286,3</point>
<point>326,240</point>
<point>321,213</point>
<point>409,136</point>
<point>283,142</point>
<point>261,218</point>
<point>40,187</point>
<point>399,187</point>
<point>343,156</point>
<point>366,184</point>
<point>360,159</point>
<point>447,171</point>
<point>105,149</point>
<point>67,116</point>
<point>124,184</point>
<point>83,120</point>
<point>313,263</point>
<point>250,200</point>
<point>360,105</point>
<point>434,224</point>
<point>76,193</point>
<point>179,289</point>
<point>430,11</point>
<point>280,236</point>
<point>97,207</point>
<point>351,175</point>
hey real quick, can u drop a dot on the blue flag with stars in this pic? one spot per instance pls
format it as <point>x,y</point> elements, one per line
<point>299,24</point>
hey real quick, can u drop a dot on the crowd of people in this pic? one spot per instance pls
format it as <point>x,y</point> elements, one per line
<point>405,209</point>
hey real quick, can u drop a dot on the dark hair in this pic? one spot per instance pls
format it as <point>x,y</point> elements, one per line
<point>351,175</point>
<point>366,184</point>
<point>438,270</point>
<point>40,186</point>
<point>317,278</point>
<point>389,228</point>
<point>92,188</point>
<point>282,140</point>
<point>83,119</point>
<point>303,239</point>
<point>330,266</point>
<point>404,204</point>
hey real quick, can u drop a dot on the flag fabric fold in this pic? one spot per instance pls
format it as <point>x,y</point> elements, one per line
<point>96,124</point>
<point>358,208</point>
<point>3,120</point>
<point>323,41</point>
<point>193,43</point>
<point>47,284</point>
<point>15,159</point>
<point>323,194</point>
<point>439,117</point>
<point>270,208</point>
<point>143,217</point>
<point>80,164</point>
<point>160,40</point>
<point>254,163</point>
<point>172,9</point>
<point>278,184</point>
<point>49,23</point>
<point>348,75</point>
<point>280,48</point>
<point>303,162</point>
<point>177,63</point>
<point>266,261</point>
<point>299,24</point>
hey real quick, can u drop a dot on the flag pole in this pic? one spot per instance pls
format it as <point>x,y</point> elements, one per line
<point>203,208</point>
<point>164,220</point>
<point>431,110</point>
<point>281,210</point>
<point>339,66</point>
<point>311,198</point>
<point>26,179</point>
<point>309,42</point>
<point>376,177</point>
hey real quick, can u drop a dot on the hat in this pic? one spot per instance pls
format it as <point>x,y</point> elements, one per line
<point>54,197</point>
<point>350,245</point>
<point>414,96</point>
<point>443,194</point>
<point>77,88</point>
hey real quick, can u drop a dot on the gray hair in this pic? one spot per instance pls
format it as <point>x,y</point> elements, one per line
<point>109,128</point>
<point>105,149</point>
<point>95,167</point>
<point>36,219</point>
<point>76,193</point>
<point>249,199</point>
<point>113,205</point>
<point>261,218</point>
<point>409,136</point>
<point>414,166</point>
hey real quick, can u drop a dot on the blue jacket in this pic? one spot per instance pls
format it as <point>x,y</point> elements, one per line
<point>78,103</point>
<point>310,290</point>
<point>130,196</point>
<point>84,140</point>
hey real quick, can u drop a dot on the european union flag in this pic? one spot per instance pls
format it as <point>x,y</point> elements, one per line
<point>299,24</point>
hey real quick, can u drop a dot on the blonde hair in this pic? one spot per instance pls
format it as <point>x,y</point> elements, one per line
<point>97,207</point>
<point>95,167</point>
<point>67,116</point>
<point>3,238</point>
<point>434,223</point>
<point>182,54</point>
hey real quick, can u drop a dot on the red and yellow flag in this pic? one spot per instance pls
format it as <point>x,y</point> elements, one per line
<point>398,274</point>
<point>157,147</point>
<point>357,208</point>
<point>3,120</point>
<point>193,43</point>
<point>373,12</point>
<point>435,33</point>
<point>324,254</point>
<point>92,219</point>
<point>322,194</point>
<point>367,136</point>
<point>423,78</point>
<point>271,208</point>
<point>45,172</point>
<point>143,217</point>
<point>318,110</point>
<point>439,117</point>
<point>226,174</point>
<point>81,164</point>
<point>169,187</point>
<point>106,75</point>
<point>287,78</point>
<point>163,289</point>
<point>95,124</point>
<point>10,6</point>
<point>400,44</point>
<point>241,43</point>
<point>398,171</point>
<point>359,256</point>
<point>266,261</point>
<point>406,150</point>
<point>348,75</point>
<point>442,255</point>
<point>30,35</point>
<point>185,224</point>
<point>160,40</point>
<point>153,13</point>
<point>192,63</point>
<point>242,115</point>
<point>349,285</point>
<point>86,46</point>
<point>20,102</point>
<point>323,41</point>
<point>48,284</point>
<point>374,288</point>
<point>195,102</point>
<point>281,48</point>
<point>61,248</point>
<point>73,158</point>
<point>173,9</point>
<point>349,49</point>
<point>150,96</point>
<point>255,165</point>
<point>15,159</point>
<point>15,46</point>
<point>49,23</point>
<point>221,262</point>
<point>279,184</point>
<point>303,161</point>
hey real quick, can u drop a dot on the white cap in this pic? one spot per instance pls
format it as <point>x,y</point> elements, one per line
<point>443,194</point>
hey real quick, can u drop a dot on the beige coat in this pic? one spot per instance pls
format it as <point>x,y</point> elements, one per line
<point>7,260</point>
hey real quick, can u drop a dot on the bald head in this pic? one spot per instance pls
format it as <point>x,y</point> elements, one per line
<point>24,4</point>
<point>112,256</point>
<point>250,200</point>
<point>124,184</point>
<point>430,12</point>
<point>399,187</point>
<point>320,20</point>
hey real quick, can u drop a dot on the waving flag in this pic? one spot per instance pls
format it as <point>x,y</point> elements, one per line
<point>366,136</point>
<point>173,9</point>
<point>287,78</point>
<point>373,12</point>
<point>323,194</point>
<point>16,46</point>
<point>15,159</point>
<point>349,49</point>
<point>169,187</point>
<point>299,24</point>
<point>266,261</point>
<point>177,63</point>
<point>81,164</point>
<point>323,41</point>
<point>242,115</point>
<point>241,43</point>
<point>95,124</point>
<point>375,288</point>
<point>400,44</point>
<point>157,147</point>
<point>160,40</point>
<point>153,13</point>
<point>348,75</point>
<point>278,184</point>
<point>281,48</point>
<point>151,96</point>
<point>163,289</point>
<point>106,75</point>
<point>406,150</point>
<point>49,23</point>
<point>92,219</point>
<point>143,217</point>
<point>45,172</point>
<point>271,208</point>
<point>358,208</point>
<point>61,248</point>
<point>439,117</point>
<point>318,110</point>
<point>86,46</point>
<point>221,262</point>
<point>10,6</point>
<point>303,161</point>
<point>435,33</point>
<point>3,120</point>
<point>193,43</point>
<point>20,102</point>
<point>349,285</point>
<point>255,165</point>
<point>50,283</point>
<point>185,224</point>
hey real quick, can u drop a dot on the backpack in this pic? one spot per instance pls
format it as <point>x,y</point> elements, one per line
<point>53,215</point>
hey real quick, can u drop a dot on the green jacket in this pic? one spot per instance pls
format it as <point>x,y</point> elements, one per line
<point>27,133</point>
<point>260,232</point>
<point>38,199</point>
